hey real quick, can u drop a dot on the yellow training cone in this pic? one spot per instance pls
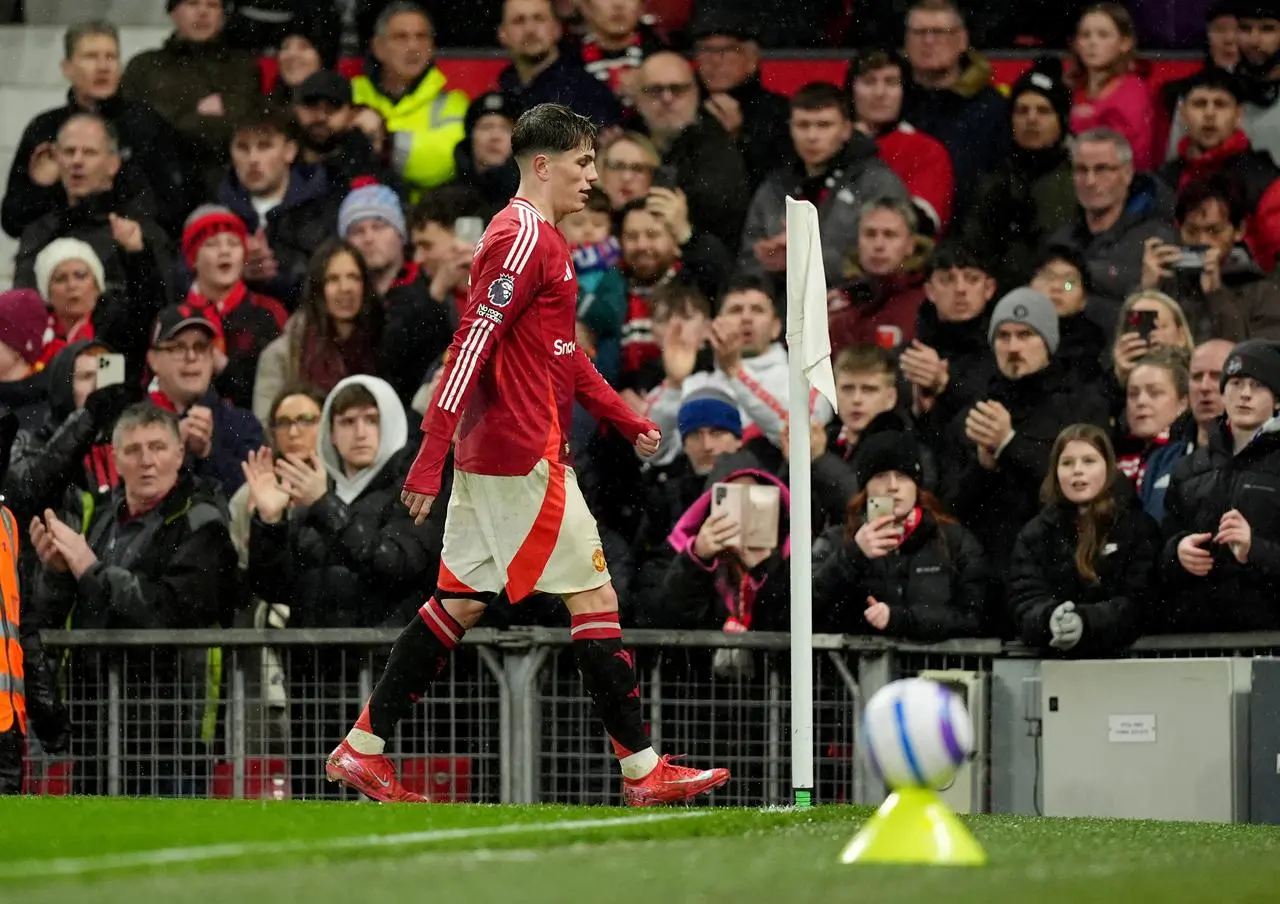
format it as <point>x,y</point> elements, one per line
<point>913,825</point>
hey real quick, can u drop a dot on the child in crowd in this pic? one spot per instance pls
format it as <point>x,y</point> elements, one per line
<point>602,289</point>
<point>1107,93</point>
<point>214,246</point>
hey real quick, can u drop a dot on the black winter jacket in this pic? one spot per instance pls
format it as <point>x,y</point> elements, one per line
<point>1042,575</point>
<point>970,367</point>
<point>1203,487</point>
<point>69,449</point>
<point>933,584</point>
<point>1114,256</point>
<point>995,504</point>
<point>130,275</point>
<point>152,152</point>
<point>361,565</point>
<point>173,567</point>
<point>295,228</point>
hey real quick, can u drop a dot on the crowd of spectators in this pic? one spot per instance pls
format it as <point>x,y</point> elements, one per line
<point>1054,318</point>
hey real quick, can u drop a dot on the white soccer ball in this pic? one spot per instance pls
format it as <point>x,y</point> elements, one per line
<point>916,734</point>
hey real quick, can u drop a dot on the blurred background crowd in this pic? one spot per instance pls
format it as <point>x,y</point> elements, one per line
<point>1052,307</point>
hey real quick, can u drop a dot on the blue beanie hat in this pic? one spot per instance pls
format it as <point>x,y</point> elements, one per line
<point>371,201</point>
<point>709,407</point>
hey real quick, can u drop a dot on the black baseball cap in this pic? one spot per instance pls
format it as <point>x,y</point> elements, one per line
<point>322,86</point>
<point>177,317</point>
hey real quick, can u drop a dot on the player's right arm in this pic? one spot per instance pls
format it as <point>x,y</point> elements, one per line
<point>504,279</point>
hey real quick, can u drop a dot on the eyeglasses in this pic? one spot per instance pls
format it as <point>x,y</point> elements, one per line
<point>179,350</point>
<point>678,89</point>
<point>285,424</point>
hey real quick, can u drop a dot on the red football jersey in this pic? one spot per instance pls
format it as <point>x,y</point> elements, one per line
<point>514,368</point>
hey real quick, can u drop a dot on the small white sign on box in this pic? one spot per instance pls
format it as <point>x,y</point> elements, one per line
<point>1131,729</point>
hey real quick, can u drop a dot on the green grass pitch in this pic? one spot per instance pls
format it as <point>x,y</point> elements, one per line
<point>108,851</point>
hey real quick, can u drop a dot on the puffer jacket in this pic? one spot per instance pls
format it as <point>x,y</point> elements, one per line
<point>1204,486</point>
<point>1042,575</point>
<point>354,559</point>
<point>933,584</point>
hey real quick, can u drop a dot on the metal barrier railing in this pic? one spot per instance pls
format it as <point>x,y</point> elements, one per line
<point>252,713</point>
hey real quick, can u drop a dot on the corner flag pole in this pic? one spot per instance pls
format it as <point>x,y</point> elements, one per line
<point>809,362</point>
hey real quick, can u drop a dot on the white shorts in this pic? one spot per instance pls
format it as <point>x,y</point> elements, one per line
<point>521,534</point>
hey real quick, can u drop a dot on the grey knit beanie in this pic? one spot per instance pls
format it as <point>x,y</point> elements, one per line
<point>1031,308</point>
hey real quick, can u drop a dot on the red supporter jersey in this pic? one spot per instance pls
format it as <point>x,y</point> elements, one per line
<point>514,369</point>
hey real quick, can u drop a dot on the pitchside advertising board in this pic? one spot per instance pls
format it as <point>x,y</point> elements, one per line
<point>476,74</point>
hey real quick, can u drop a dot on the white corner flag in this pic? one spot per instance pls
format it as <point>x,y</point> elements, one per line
<point>809,358</point>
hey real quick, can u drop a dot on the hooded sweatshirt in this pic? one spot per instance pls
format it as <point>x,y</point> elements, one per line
<point>392,436</point>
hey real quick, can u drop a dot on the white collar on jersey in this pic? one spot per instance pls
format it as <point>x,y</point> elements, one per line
<point>521,202</point>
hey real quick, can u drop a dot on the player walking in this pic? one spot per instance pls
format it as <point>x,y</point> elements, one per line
<point>516,518</point>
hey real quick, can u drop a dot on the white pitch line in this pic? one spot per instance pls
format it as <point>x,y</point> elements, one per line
<point>168,856</point>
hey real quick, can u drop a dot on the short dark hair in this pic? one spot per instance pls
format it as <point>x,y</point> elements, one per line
<point>551,129</point>
<point>314,393</point>
<point>1068,254</point>
<point>953,255</point>
<point>678,296</point>
<point>861,359</point>
<point>269,118</point>
<point>90,29</point>
<point>598,201</point>
<point>747,283</point>
<point>444,205</point>
<point>353,395</point>
<point>821,96</point>
<point>872,58</point>
<point>1211,78</point>
<point>1221,187</point>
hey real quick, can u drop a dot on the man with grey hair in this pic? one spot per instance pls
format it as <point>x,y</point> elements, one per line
<point>149,147</point>
<point>1118,212</point>
<point>113,218</point>
<point>158,557</point>
<point>425,118</point>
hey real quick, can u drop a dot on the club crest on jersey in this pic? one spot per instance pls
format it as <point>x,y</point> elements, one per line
<point>501,291</point>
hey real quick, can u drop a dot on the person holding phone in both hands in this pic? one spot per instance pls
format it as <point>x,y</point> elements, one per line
<point>903,567</point>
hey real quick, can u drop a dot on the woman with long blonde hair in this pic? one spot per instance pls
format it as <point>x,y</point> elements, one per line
<point>1083,570</point>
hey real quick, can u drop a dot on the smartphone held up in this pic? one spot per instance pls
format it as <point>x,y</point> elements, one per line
<point>755,508</point>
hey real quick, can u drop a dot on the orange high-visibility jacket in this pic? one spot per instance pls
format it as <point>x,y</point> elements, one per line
<point>13,704</point>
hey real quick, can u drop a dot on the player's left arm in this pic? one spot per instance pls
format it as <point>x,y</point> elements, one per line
<point>602,401</point>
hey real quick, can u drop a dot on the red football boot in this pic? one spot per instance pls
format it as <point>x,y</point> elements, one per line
<point>370,774</point>
<point>669,783</point>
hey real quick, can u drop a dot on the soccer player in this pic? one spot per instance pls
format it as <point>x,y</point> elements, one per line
<point>517,520</point>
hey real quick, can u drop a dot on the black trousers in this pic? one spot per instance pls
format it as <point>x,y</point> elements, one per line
<point>13,746</point>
